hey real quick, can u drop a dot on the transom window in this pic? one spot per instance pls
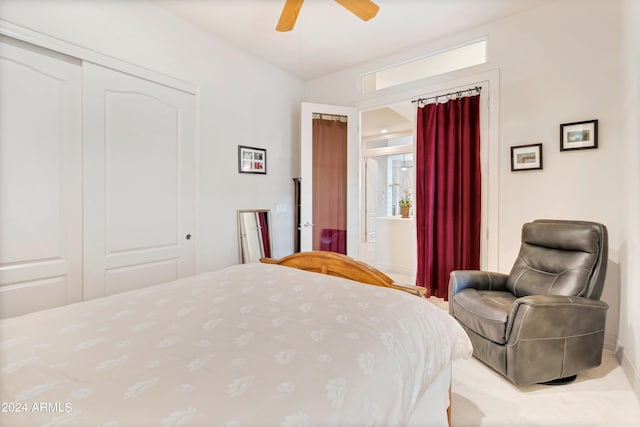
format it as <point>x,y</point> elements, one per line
<point>421,68</point>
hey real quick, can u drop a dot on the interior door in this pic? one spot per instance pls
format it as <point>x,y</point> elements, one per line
<point>40,179</point>
<point>306,172</point>
<point>139,182</point>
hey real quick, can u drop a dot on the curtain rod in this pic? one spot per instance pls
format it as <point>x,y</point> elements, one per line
<point>334,117</point>
<point>456,93</point>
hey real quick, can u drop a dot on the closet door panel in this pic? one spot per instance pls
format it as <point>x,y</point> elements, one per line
<point>40,179</point>
<point>139,140</point>
<point>140,128</point>
<point>119,279</point>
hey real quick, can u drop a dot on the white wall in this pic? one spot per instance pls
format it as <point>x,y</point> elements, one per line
<point>557,63</point>
<point>630,252</point>
<point>241,101</point>
<point>565,69</point>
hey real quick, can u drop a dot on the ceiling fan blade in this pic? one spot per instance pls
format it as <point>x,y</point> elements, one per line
<point>289,15</point>
<point>363,9</point>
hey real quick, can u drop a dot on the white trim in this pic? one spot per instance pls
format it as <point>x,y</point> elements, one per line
<point>491,80</point>
<point>629,369</point>
<point>39,39</point>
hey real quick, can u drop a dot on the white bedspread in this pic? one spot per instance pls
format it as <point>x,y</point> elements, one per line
<point>249,345</point>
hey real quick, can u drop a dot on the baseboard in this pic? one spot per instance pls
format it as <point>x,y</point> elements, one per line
<point>629,369</point>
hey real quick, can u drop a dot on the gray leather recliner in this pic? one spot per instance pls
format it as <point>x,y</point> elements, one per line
<point>544,321</point>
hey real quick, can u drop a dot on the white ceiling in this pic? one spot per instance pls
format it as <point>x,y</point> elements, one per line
<point>328,38</point>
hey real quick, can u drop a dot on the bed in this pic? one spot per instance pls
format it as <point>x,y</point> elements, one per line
<point>262,344</point>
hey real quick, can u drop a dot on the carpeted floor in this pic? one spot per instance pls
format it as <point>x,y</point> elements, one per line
<point>599,397</point>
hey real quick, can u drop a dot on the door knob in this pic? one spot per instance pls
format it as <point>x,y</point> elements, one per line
<point>188,237</point>
<point>307,224</point>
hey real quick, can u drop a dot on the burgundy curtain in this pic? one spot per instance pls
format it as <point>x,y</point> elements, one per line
<point>447,191</point>
<point>264,234</point>
<point>329,185</point>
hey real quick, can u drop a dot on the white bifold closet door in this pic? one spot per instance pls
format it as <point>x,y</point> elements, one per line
<point>40,179</point>
<point>139,182</point>
<point>97,180</point>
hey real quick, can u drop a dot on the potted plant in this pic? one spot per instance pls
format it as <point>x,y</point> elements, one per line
<point>405,204</point>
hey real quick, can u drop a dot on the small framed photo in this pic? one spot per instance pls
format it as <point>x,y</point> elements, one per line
<point>579,135</point>
<point>526,157</point>
<point>252,160</point>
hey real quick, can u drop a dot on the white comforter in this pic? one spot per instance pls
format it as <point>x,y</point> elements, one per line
<point>250,345</point>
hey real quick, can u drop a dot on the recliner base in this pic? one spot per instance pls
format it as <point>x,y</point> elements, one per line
<point>561,381</point>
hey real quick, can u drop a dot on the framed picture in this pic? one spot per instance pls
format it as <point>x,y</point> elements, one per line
<point>252,160</point>
<point>579,135</point>
<point>526,157</point>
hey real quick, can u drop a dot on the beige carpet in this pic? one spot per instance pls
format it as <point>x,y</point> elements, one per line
<point>599,397</point>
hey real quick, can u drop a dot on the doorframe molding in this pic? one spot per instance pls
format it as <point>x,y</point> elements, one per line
<point>490,78</point>
<point>70,49</point>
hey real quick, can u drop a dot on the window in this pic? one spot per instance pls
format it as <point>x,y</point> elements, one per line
<point>437,63</point>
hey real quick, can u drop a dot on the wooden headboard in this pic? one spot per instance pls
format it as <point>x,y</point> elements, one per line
<point>335,264</point>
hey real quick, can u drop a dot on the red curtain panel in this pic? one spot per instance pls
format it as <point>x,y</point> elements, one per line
<point>448,198</point>
<point>265,233</point>
<point>329,185</point>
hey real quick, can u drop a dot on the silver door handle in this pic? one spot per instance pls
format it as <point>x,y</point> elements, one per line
<point>307,224</point>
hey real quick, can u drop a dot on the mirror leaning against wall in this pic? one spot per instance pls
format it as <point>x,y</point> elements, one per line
<point>254,235</point>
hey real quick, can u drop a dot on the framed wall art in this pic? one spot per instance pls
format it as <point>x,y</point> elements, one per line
<point>526,157</point>
<point>252,160</point>
<point>579,135</point>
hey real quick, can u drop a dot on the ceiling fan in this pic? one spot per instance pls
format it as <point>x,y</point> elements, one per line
<point>363,9</point>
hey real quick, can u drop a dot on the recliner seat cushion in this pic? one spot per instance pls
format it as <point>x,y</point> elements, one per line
<point>484,312</point>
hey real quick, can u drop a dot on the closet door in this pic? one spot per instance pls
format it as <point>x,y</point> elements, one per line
<point>139,141</point>
<point>40,179</point>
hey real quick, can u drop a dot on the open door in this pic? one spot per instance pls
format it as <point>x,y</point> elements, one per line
<point>317,232</point>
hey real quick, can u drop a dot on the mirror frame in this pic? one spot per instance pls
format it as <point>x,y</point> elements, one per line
<point>241,255</point>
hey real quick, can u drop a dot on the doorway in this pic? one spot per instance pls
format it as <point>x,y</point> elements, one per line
<point>373,125</point>
<point>307,227</point>
<point>389,240</point>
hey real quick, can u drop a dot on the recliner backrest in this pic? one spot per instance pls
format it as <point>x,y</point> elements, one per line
<point>559,257</point>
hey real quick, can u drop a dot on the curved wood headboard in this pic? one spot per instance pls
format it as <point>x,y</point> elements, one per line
<point>335,264</point>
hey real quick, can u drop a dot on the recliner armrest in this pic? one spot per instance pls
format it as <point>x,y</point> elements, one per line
<point>481,280</point>
<point>553,316</point>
